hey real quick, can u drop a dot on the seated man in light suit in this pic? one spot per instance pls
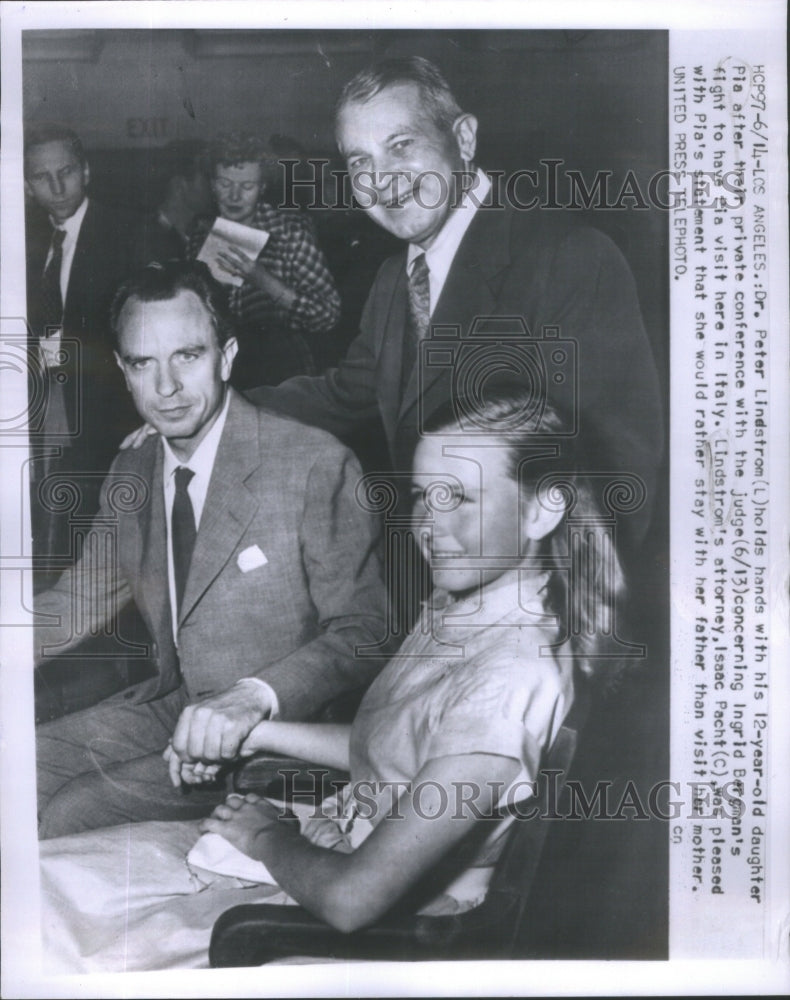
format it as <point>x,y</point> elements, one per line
<point>239,538</point>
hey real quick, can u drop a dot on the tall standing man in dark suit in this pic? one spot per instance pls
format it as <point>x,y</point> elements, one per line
<point>410,151</point>
<point>239,538</point>
<point>78,252</point>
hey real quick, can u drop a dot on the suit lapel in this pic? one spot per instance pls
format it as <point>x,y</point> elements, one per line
<point>230,503</point>
<point>80,267</point>
<point>470,289</point>
<point>153,590</point>
<point>38,236</point>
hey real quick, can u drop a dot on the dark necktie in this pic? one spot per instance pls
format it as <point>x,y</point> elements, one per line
<point>51,299</point>
<point>419,312</point>
<point>184,532</point>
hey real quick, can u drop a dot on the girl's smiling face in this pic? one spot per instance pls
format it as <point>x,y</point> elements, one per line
<point>464,491</point>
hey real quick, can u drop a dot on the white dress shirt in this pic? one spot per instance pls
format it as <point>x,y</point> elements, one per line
<point>439,256</point>
<point>72,227</point>
<point>201,462</point>
<point>49,345</point>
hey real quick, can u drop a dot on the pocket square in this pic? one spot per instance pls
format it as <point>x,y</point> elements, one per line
<point>251,558</point>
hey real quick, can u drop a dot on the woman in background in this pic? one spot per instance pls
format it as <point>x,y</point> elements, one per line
<point>287,295</point>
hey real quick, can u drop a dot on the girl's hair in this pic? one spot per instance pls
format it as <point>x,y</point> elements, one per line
<point>585,577</point>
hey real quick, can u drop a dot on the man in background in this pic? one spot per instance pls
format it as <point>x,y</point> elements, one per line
<point>77,253</point>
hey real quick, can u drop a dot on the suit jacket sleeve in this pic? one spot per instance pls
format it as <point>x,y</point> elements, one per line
<point>591,295</point>
<point>343,397</point>
<point>87,596</point>
<point>339,543</point>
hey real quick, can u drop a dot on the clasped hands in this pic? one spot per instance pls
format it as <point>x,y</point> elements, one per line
<point>245,819</point>
<point>213,732</point>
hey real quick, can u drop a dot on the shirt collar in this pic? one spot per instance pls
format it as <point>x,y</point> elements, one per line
<point>201,461</point>
<point>439,256</point>
<point>513,600</point>
<point>72,225</point>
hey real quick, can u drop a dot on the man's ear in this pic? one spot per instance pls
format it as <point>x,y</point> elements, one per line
<point>540,519</point>
<point>465,132</point>
<point>86,174</point>
<point>119,362</point>
<point>229,352</point>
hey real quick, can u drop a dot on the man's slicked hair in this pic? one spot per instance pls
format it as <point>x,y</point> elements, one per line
<point>437,98</point>
<point>41,133</point>
<point>162,282</point>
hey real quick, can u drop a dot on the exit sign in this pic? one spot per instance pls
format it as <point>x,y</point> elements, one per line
<point>147,128</point>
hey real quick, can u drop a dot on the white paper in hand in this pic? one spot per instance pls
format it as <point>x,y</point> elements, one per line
<point>223,233</point>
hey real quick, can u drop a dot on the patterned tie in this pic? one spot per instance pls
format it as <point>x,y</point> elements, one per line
<point>419,312</point>
<point>184,532</point>
<point>51,299</point>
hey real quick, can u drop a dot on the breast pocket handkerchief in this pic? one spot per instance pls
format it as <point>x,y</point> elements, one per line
<point>251,558</point>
